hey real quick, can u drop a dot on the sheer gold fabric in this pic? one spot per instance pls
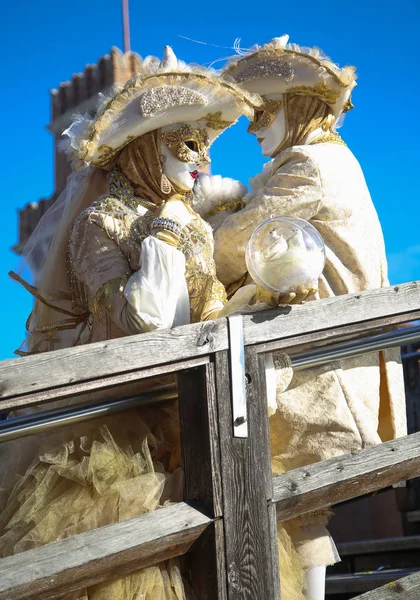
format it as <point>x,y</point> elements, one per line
<point>303,115</point>
<point>140,162</point>
<point>99,473</point>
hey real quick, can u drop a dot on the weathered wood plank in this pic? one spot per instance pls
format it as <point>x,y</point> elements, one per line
<point>94,556</point>
<point>302,342</point>
<point>361,582</point>
<point>121,385</point>
<point>407,588</point>
<point>329,482</point>
<point>246,481</point>
<point>413,516</point>
<point>104,359</point>
<point>65,367</point>
<point>274,551</point>
<point>134,382</point>
<point>336,311</point>
<point>204,564</point>
<point>396,544</point>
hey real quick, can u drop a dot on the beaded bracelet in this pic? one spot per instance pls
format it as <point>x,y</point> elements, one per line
<point>168,224</point>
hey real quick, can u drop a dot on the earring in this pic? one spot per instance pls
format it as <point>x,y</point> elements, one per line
<point>165,184</point>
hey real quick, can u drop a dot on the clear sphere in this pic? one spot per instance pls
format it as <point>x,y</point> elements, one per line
<point>285,254</point>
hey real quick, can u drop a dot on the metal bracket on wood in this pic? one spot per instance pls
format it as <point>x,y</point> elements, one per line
<point>237,374</point>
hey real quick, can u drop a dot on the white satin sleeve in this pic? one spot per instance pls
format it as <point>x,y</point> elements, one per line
<point>158,291</point>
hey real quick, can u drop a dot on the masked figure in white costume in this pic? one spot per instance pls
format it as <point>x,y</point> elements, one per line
<point>129,255</point>
<point>345,405</point>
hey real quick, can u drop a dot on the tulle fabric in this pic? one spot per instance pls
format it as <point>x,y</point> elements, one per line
<point>292,574</point>
<point>61,484</point>
<point>303,542</point>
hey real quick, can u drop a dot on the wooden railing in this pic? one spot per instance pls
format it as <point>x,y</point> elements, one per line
<point>226,526</point>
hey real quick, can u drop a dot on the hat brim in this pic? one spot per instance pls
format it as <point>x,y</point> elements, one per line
<point>155,101</point>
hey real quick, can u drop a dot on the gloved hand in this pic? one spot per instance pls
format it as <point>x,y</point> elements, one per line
<point>177,210</point>
<point>276,298</point>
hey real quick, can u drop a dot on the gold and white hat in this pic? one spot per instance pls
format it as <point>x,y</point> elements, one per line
<point>281,68</point>
<point>166,93</point>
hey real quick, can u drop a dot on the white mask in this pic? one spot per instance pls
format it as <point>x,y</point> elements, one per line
<point>269,136</point>
<point>184,150</point>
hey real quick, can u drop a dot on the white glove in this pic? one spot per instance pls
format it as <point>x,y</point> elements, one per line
<point>177,210</point>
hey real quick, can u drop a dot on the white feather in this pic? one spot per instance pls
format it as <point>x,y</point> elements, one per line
<point>74,133</point>
<point>214,190</point>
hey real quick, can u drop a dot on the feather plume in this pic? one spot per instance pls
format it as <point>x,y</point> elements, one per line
<point>214,191</point>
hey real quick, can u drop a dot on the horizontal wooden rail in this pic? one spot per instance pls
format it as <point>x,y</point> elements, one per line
<point>360,582</point>
<point>100,554</point>
<point>407,588</point>
<point>331,481</point>
<point>413,516</point>
<point>163,351</point>
<point>381,545</point>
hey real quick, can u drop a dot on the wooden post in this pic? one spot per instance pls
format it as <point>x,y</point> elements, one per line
<point>205,565</point>
<point>248,515</point>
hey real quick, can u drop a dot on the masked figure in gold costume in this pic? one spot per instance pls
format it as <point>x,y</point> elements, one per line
<point>129,255</point>
<point>348,404</point>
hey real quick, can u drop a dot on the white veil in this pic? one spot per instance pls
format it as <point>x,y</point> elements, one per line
<point>55,321</point>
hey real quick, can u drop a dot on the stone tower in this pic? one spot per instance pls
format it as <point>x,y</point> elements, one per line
<point>80,94</point>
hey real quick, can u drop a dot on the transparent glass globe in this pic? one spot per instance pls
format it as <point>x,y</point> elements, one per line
<point>285,254</point>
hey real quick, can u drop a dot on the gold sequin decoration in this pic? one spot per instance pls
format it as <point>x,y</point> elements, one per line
<point>177,139</point>
<point>320,90</point>
<point>101,302</point>
<point>156,100</point>
<point>330,138</point>
<point>232,206</point>
<point>265,116</point>
<point>205,290</point>
<point>215,121</point>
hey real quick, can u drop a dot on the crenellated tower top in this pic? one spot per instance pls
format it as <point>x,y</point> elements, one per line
<point>79,94</point>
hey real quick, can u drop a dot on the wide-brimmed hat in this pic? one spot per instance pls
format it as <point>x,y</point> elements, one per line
<point>168,92</point>
<point>280,68</point>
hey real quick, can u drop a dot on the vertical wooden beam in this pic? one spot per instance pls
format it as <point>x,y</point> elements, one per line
<point>248,515</point>
<point>205,565</point>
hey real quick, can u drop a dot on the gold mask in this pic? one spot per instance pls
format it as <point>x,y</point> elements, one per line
<point>188,145</point>
<point>265,116</point>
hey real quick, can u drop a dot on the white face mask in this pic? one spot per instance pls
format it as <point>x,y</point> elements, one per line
<point>272,128</point>
<point>272,136</point>
<point>190,142</point>
<point>181,174</point>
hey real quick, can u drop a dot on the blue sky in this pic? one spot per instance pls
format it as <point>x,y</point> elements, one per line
<point>45,42</point>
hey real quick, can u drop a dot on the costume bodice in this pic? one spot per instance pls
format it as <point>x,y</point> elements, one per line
<point>119,223</point>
